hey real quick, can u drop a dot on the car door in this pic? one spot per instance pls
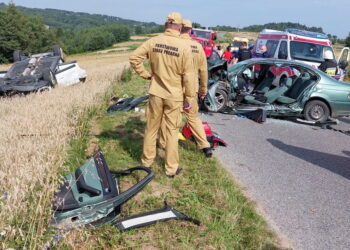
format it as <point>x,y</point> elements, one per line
<point>344,55</point>
<point>343,61</point>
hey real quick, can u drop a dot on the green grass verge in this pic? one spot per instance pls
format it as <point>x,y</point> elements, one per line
<point>205,191</point>
<point>133,46</point>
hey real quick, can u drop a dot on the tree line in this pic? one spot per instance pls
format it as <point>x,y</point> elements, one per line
<point>78,20</point>
<point>95,38</point>
<point>347,41</point>
<point>275,26</point>
<point>30,35</point>
<point>19,32</point>
<point>282,26</point>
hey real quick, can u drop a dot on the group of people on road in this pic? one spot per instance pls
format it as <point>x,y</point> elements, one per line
<point>329,65</point>
<point>244,53</point>
<point>177,62</point>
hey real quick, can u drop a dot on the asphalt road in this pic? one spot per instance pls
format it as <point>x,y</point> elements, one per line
<point>299,176</point>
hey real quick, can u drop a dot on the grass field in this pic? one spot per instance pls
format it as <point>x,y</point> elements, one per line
<point>44,138</point>
<point>35,131</point>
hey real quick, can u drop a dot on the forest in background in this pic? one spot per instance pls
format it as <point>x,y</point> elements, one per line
<point>37,30</point>
<point>33,30</point>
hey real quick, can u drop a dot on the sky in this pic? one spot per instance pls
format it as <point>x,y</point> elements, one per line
<point>331,15</point>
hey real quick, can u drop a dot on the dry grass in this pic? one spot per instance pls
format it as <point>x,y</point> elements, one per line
<point>250,35</point>
<point>34,132</point>
<point>125,44</point>
<point>4,66</point>
<point>140,37</point>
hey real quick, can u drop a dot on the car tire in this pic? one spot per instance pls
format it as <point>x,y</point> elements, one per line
<point>221,99</point>
<point>316,110</point>
<point>57,51</point>
<point>17,56</point>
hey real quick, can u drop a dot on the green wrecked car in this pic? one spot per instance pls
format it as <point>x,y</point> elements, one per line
<point>281,87</point>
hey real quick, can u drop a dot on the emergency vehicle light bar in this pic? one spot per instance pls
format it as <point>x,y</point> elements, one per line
<point>307,33</point>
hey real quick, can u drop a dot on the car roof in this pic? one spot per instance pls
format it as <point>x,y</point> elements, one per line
<point>293,63</point>
<point>277,61</point>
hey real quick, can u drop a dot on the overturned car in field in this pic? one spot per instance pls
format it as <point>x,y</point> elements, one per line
<point>39,72</point>
<point>281,87</point>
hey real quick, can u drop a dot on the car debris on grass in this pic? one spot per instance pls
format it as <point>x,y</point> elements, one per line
<point>125,104</point>
<point>92,196</point>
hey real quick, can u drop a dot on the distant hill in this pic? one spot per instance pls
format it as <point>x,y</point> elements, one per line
<point>281,26</point>
<point>76,20</point>
<point>275,26</point>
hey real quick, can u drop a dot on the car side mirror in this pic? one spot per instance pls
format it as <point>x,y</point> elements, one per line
<point>214,37</point>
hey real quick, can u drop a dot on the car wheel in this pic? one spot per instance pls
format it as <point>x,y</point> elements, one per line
<point>316,111</point>
<point>57,51</point>
<point>17,56</point>
<point>220,101</point>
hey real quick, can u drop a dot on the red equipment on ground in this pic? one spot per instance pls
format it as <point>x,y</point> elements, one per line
<point>212,137</point>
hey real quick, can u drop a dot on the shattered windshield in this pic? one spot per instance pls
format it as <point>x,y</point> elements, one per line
<point>202,34</point>
<point>308,51</point>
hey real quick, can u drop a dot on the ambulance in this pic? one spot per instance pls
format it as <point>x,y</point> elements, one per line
<point>298,45</point>
<point>237,42</point>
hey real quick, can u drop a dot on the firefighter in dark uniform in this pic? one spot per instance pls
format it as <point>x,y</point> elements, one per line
<point>171,89</point>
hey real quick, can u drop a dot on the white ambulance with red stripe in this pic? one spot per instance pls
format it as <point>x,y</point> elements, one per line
<point>294,44</point>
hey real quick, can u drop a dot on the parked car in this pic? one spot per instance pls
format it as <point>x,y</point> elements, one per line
<point>306,92</point>
<point>39,72</point>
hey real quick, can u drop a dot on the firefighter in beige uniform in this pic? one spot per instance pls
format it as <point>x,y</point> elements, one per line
<point>171,87</point>
<point>200,64</point>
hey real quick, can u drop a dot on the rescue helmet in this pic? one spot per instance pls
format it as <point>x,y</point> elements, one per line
<point>328,55</point>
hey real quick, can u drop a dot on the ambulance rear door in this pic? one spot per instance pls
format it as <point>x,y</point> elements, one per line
<point>344,55</point>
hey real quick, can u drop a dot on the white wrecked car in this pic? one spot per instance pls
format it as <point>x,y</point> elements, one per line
<point>39,72</point>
